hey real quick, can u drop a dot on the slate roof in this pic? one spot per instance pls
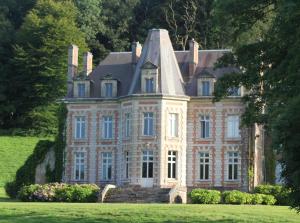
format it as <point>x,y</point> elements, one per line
<point>173,66</point>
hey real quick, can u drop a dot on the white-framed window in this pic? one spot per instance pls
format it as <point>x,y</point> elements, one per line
<point>173,125</point>
<point>79,165</point>
<point>233,161</point>
<point>172,164</point>
<point>233,126</point>
<point>81,90</point>
<point>234,91</point>
<point>147,166</point>
<point>126,164</point>
<point>107,130</point>
<point>108,90</point>
<point>80,127</point>
<point>149,85</point>
<point>148,124</point>
<point>106,166</point>
<point>204,126</point>
<point>127,125</point>
<point>204,165</point>
<point>205,88</point>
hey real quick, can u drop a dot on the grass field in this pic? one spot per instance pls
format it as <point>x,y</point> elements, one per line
<point>18,212</point>
<point>14,151</point>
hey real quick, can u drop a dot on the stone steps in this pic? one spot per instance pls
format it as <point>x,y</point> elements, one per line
<point>137,195</point>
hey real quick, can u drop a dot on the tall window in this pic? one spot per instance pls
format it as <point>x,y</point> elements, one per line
<point>234,91</point>
<point>204,122</point>
<point>81,89</point>
<point>171,164</point>
<point>233,123</point>
<point>205,88</point>
<point>204,166</point>
<point>108,90</point>
<point>148,124</point>
<point>80,127</point>
<point>149,85</point>
<point>173,125</point>
<point>106,165</point>
<point>147,168</point>
<point>107,127</point>
<point>233,160</point>
<point>79,166</point>
<point>127,124</point>
<point>127,165</point>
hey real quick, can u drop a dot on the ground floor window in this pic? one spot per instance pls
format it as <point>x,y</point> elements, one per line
<point>204,165</point>
<point>147,167</point>
<point>233,160</point>
<point>171,164</point>
<point>127,165</point>
<point>79,166</point>
<point>106,166</point>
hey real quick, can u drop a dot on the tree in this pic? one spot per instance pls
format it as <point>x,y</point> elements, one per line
<point>270,72</point>
<point>39,61</point>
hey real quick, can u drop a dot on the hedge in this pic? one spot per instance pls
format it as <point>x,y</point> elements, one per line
<point>59,192</point>
<point>201,196</point>
<point>281,193</point>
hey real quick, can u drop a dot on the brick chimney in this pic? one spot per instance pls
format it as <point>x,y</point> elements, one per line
<point>193,56</point>
<point>136,49</point>
<point>87,63</point>
<point>72,68</point>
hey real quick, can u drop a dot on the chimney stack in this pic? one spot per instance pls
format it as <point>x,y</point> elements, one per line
<point>87,63</point>
<point>136,49</point>
<point>72,68</point>
<point>193,56</point>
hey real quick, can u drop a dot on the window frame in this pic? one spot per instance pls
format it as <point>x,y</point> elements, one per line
<point>149,84</point>
<point>127,125</point>
<point>107,127</point>
<point>79,162</point>
<point>148,124</point>
<point>147,164</point>
<point>106,171</point>
<point>233,165</point>
<point>233,126</point>
<point>205,124</point>
<point>80,127</point>
<point>110,93</point>
<point>172,164</point>
<point>204,166</point>
<point>207,84</point>
<point>81,92</point>
<point>173,125</point>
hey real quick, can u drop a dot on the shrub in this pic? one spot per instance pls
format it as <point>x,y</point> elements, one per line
<point>202,196</point>
<point>268,199</point>
<point>236,197</point>
<point>281,194</point>
<point>60,192</point>
<point>257,198</point>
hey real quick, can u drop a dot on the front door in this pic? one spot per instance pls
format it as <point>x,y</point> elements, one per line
<point>147,169</point>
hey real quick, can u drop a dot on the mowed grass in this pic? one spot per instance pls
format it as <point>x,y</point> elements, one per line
<point>14,151</point>
<point>18,212</point>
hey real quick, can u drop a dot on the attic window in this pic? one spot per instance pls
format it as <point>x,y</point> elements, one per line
<point>149,85</point>
<point>205,86</point>
<point>149,78</point>
<point>108,88</point>
<point>234,91</point>
<point>81,90</point>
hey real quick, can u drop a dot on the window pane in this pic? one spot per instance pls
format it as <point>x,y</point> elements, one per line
<point>150,173</point>
<point>201,172</point>
<point>205,88</point>
<point>144,170</point>
<point>230,171</point>
<point>174,170</point>
<point>206,171</point>
<point>81,89</point>
<point>169,170</point>
<point>235,172</point>
<point>108,89</point>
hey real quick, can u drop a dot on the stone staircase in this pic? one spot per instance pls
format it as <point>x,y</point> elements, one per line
<point>137,194</point>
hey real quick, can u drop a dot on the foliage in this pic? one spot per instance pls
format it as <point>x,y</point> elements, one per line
<point>236,197</point>
<point>257,198</point>
<point>26,174</point>
<point>202,196</point>
<point>268,199</point>
<point>59,192</point>
<point>282,194</point>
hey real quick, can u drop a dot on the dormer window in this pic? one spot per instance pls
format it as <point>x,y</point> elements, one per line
<point>205,88</point>
<point>81,90</point>
<point>109,88</point>
<point>149,78</point>
<point>149,85</point>
<point>234,91</point>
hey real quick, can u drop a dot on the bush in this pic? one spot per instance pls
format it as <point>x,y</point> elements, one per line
<point>202,196</point>
<point>257,198</point>
<point>59,192</point>
<point>236,197</point>
<point>268,199</point>
<point>281,194</point>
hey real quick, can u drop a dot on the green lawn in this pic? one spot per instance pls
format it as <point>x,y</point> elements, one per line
<point>14,151</point>
<point>15,212</point>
